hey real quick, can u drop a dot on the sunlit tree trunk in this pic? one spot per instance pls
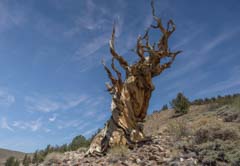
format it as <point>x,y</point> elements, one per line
<point>130,97</point>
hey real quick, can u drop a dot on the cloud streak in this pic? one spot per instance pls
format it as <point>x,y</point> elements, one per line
<point>34,125</point>
<point>232,81</point>
<point>90,131</point>
<point>46,104</point>
<point>6,98</point>
<point>53,118</point>
<point>5,125</point>
<point>10,16</point>
<point>202,56</point>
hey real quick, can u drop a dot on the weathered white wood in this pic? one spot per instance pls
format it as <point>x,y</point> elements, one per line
<point>130,99</point>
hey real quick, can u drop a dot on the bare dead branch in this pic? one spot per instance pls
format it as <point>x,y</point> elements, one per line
<point>171,27</point>
<point>168,64</point>
<point>140,50</point>
<point>110,76</point>
<point>109,87</point>
<point>158,70</point>
<point>117,72</point>
<point>146,38</point>
<point>120,59</point>
<point>153,9</point>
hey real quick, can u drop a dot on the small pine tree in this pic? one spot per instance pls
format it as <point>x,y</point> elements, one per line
<point>12,161</point>
<point>63,148</point>
<point>180,104</point>
<point>79,141</point>
<point>201,101</point>
<point>29,160</point>
<point>165,107</point>
<point>213,99</point>
<point>26,160</point>
<point>35,158</point>
<point>48,149</point>
<point>206,100</point>
<point>17,163</point>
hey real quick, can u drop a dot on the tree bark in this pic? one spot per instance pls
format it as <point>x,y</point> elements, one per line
<point>130,98</point>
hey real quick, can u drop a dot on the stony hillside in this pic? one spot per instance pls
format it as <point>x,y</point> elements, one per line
<point>208,134</point>
<point>4,154</point>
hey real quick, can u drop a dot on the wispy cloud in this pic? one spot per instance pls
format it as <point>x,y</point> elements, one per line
<point>6,98</point>
<point>201,55</point>
<point>34,125</point>
<point>53,118</point>
<point>232,81</point>
<point>90,131</point>
<point>95,18</point>
<point>189,38</point>
<point>47,104</point>
<point>95,105</point>
<point>10,16</point>
<point>84,54</point>
<point>97,21</point>
<point>71,123</point>
<point>218,40</point>
<point>91,112</point>
<point>5,125</point>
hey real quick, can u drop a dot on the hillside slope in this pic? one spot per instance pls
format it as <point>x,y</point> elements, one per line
<point>208,134</point>
<point>4,154</point>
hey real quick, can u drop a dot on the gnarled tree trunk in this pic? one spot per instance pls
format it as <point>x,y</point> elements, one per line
<point>130,98</point>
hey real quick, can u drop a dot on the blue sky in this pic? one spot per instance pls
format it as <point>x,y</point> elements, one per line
<point>52,82</point>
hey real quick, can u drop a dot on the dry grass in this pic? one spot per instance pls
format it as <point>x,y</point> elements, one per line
<point>117,153</point>
<point>83,150</point>
<point>236,104</point>
<point>156,122</point>
<point>52,158</point>
<point>203,129</point>
<point>211,133</point>
<point>178,128</point>
<point>231,113</point>
<point>4,154</point>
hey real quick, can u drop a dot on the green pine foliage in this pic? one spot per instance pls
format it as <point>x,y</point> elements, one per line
<point>79,141</point>
<point>220,100</point>
<point>180,104</point>
<point>39,156</point>
<point>164,107</point>
<point>26,160</point>
<point>12,161</point>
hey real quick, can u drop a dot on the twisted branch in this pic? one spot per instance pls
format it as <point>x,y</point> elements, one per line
<point>119,75</point>
<point>120,59</point>
<point>162,50</point>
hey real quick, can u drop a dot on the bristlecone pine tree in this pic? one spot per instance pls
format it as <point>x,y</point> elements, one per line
<point>130,97</point>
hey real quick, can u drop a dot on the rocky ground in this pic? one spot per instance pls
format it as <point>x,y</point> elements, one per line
<point>158,151</point>
<point>208,135</point>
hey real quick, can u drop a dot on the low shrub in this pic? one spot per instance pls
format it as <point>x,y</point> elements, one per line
<point>219,151</point>
<point>178,128</point>
<point>206,134</point>
<point>231,112</point>
<point>12,161</point>
<point>236,103</point>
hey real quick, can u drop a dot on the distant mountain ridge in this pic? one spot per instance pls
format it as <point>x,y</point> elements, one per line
<point>5,153</point>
